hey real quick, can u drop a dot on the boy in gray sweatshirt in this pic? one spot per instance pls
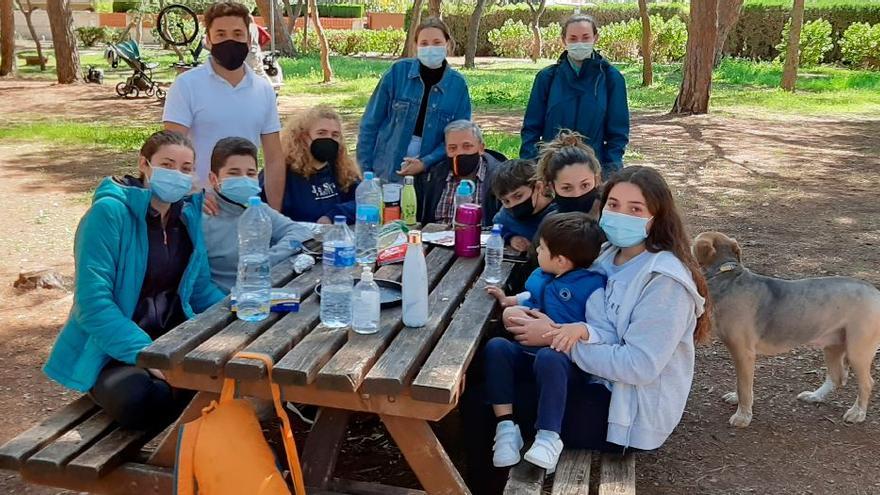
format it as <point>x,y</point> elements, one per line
<point>234,179</point>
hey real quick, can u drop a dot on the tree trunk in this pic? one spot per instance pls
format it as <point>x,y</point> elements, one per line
<point>434,8</point>
<point>292,15</point>
<point>7,38</point>
<point>647,45</point>
<point>322,42</point>
<point>415,20</point>
<point>536,28</point>
<point>470,51</point>
<point>306,29</point>
<point>793,55</point>
<point>66,55</point>
<point>728,13</point>
<point>30,24</point>
<point>696,84</point>
<point>283,43</point>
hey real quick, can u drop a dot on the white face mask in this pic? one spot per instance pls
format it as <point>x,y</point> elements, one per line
<point>579,51</point>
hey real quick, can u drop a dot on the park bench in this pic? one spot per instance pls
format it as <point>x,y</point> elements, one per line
<point>617,475</point>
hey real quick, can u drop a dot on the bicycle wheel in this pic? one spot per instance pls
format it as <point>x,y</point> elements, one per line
<point>178,25</point>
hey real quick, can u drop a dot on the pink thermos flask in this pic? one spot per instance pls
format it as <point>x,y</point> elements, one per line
<point>468,222</point>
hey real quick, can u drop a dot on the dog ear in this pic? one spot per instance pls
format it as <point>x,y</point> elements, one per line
<point>737,250</point>
<point>704,250</point>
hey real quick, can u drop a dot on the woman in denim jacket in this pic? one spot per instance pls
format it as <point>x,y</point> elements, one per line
<point>401,132</point>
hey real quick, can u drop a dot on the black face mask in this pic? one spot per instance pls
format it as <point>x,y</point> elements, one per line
<point>230,54</point>
<point>464,165</point>
<point>324,150</point>
<point>582,203</point>
<point>523,210</point>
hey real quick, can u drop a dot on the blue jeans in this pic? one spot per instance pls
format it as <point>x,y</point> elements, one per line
<point>510,366</point>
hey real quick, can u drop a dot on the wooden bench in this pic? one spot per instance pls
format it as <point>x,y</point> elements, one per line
<point>79,448</point>
<point>617,475</point>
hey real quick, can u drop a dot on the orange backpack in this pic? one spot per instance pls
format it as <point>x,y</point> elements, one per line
<point>224,452</point>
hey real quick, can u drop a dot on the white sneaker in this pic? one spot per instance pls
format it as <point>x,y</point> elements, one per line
<point>508,443</point>
<point>545,451</point>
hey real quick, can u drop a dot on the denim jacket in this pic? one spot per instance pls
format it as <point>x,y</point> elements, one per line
<point>390,118</point>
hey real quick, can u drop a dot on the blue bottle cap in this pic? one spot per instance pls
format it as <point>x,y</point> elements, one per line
<point>254,201</point>
<point>496,229</point>
<point>368,175</point>
<point>339,219</point>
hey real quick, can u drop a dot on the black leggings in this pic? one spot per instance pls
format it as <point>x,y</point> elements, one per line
<point>136,399</point>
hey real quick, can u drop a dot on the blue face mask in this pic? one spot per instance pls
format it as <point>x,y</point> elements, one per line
<point>624,230</point>
<point>239,189</point>
<point>169,185</point>
<point>432,57</point>
<point>579,51</point>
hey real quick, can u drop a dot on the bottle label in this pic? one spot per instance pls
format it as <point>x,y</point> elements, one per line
<point>367,214</point>
<point>343,256</point>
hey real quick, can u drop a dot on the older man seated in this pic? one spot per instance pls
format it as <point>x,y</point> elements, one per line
<point>466,158</point>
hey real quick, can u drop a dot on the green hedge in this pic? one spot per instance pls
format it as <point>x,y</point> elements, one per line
<point>341,10</point>
<point>758,31</point>
<point>495,19</point>
<point>125,5</point>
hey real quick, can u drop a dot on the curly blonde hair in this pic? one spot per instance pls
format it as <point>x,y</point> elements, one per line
<point>298,157</point>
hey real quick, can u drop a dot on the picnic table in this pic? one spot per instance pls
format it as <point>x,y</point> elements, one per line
<point>407,376</point>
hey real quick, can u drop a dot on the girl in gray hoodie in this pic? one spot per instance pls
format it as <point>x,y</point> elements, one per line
<point>656,301</point>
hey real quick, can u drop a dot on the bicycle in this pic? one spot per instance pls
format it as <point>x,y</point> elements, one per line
<point>178,26</point>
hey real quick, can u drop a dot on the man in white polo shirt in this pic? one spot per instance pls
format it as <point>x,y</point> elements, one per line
<point>224,98</point>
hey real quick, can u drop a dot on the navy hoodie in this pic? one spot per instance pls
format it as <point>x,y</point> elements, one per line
<point>308,199</point>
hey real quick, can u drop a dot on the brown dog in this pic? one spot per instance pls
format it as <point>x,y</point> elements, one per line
<point>758,315</point>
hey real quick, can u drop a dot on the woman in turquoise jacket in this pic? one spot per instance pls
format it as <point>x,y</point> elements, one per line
<point>141,269</point>
<point>581,92</point>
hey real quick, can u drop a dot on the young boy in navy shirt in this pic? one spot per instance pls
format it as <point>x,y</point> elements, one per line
<point>560,287</point>
<point>525,200</point>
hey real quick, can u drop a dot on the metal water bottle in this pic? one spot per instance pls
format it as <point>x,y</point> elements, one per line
<point>468,221</point>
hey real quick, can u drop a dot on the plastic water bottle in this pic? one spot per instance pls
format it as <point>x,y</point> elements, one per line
<point>368,197</point>
<point>415,283</point>
<point>365,305</point>
<point>494,256</point>
<point>336,282</point>
<point>253,287</point>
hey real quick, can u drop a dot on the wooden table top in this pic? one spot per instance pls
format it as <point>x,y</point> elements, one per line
<point>412,372</point>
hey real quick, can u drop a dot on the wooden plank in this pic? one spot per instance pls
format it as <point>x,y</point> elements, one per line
<point>572,473</point>
<point>322,446</point>
<point>169,349</point>
<point>125,480</point>
<point>301,364</point>
<point>14,452</point>
<point>277,341</point>
<point>441,376</point>
<point>399,405</point>
<point>108,453</point>
<point>400,362</point>
<point>524,479</point>
<point>425,456</point>
<point>365,488</point>
<point>56,455</point>
<point>348,367</point>
<point>618,475</point>
<point>166,453</point>
<point>210,357</point>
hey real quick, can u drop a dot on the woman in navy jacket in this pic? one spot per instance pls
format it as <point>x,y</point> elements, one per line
<point>581,92</point>
<point>321,175</point>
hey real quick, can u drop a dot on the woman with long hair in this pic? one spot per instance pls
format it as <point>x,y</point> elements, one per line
<point>635,360</point>
<point>321,175</point>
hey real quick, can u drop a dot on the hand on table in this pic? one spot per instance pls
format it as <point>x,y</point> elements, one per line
<point>520,243</point>
<point>324,221</point>
<point>504,300</point>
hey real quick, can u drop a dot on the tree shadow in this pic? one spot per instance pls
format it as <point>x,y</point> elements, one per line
<point>75,170</point>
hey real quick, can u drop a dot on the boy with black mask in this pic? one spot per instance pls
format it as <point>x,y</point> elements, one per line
<point>223,97</point>
<point>525,200</point>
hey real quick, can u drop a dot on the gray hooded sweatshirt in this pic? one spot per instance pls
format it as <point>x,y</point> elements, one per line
<point>221,240</point>
<point>646,345</point>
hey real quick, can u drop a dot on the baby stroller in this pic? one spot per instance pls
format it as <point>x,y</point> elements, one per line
<point>142,79</point>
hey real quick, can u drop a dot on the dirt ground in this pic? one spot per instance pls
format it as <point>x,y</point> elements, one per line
<point>800,194</point>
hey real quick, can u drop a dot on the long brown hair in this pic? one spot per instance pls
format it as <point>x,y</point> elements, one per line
<point>668,232</point>
<point>298,157</point>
